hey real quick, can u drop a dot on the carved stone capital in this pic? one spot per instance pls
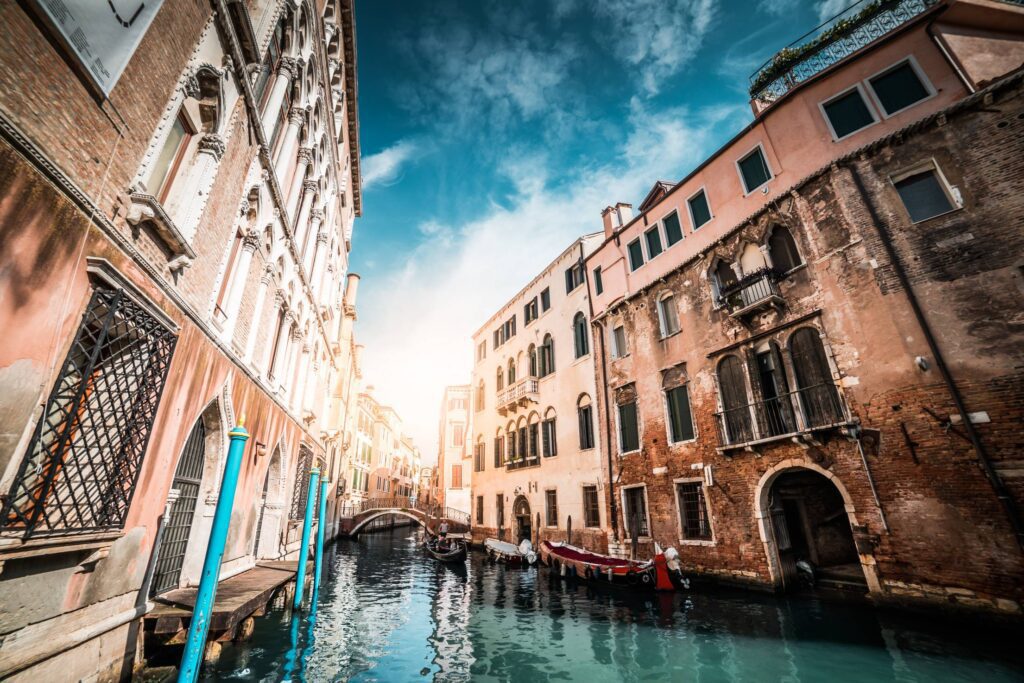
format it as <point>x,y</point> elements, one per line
<point>316,215</point>
<point>213,144</point>
<point>307,347</point>
<point>190,88</point>
<point>281,297</point>
<point>268,275</point>
<point>243,208</point>
<point>297,116</point>
<point>321,238</point>
<point>289,67</point>
<point>305,156</point>
<point>310,186</point>
<point>251,241</point>
<point>296,333</point>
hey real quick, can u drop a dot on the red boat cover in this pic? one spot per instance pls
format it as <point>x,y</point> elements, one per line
<point>578,555</point>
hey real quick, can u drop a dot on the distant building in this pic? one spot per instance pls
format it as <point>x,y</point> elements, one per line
<point>454,468</point>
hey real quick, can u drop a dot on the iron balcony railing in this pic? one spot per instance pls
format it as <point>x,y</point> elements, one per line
<point>815,407</point>
<point>831,42</point>
<point>755,289</point>
<point>524,388</point>
<point>522,463</point>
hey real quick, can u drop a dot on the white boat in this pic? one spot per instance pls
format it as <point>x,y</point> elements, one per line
<point>500,551</point>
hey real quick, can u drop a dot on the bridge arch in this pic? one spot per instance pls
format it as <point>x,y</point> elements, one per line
<point>377,514</point>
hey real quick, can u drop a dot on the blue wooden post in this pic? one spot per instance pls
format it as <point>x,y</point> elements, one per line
<point>307,525</point>
<point>319,557</point>
<point>199,626</point>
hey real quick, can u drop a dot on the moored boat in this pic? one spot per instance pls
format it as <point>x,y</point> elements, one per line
<point>447,549</point>
<point>661,573</point>
<point>500,551</point>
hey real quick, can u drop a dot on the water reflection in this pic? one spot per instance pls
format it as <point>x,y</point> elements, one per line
<point>387,612</point>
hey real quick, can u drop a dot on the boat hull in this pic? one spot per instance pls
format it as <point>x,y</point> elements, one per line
<point>575,563</point>
<point>457,553</point>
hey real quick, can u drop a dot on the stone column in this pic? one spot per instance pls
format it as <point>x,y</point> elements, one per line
<point>312,239</point>
<point>257,315</point>
<point>316,266</point>
<point>296,365</point>
<point>296,117</point>
<point>305,158</point>
<point>239,277</point>
<point>186,205</point>
<point>281,342</point>
<point>287,68</point>
<point>301,229</point>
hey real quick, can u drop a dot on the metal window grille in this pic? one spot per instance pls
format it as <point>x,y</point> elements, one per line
<point>301,486</point>
<point>552,507</point>
<point>636,512</point>
<point>693,511</point>
<point>187,479</point>
<point>82,464</point>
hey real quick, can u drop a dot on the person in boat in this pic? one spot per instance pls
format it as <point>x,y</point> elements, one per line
<point>442,532</point>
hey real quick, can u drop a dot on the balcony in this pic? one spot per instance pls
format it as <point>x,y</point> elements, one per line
<point>519,395</point>
<point>522,463</point>
<point>796,412</point>
<point>756,291</point>
<point>828,44</point>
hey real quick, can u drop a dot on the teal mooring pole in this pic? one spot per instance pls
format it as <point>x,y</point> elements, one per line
<point>307,524</point>
<point>319,556</point>
<point>199,626</point>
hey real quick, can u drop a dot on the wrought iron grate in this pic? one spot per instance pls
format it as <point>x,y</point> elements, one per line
<point>82,464</point>
<point>301,488</point>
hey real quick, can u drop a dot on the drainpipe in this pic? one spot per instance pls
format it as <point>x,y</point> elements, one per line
<point>613,511</point>
<point>979,448</point>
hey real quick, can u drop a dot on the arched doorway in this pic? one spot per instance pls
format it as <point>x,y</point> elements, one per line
<point>268,526</point>
<point>524,526</point>
<point>806,523</point>
<point>187,479</point>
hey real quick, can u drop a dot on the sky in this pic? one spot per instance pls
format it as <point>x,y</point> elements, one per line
<point>492,134</point>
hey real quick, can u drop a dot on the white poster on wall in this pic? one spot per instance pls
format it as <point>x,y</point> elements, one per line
<point>102,34</point>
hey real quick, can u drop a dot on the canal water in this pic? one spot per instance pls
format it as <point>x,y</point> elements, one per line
<point>387,612</point>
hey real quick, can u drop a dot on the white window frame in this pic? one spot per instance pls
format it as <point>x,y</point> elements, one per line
<point>707,200</point>
<point>739,170</point>
<point>617,353</point>
<point>647,511</point>
<point>869,103</point>
<point>668,418</point>
<point>583,503</point>
<point>925,81</point>
<point>665,334</point>
<point>679,512</point>
<point>553,489</point>
<point>665,246</point>
<point>661,238</point>
<point>639,430</point>
<point>952,191</point>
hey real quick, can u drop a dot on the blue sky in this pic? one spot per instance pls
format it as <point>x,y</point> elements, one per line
<point>493,132</point>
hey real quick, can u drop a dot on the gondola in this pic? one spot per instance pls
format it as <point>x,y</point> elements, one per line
<point>507,553</point>
<point>663,573</point>
<point>455,552</point>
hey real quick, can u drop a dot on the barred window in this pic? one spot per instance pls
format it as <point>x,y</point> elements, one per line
<point>82,464</point>
<point>693,511</point>
<point>551,498</point>
<point>301,486</point>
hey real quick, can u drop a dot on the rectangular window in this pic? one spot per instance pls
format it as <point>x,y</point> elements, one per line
<point>479,509</point>
<point>499,510</point>
<point>497,338</point>
<point>693,511</point>
<point>456,476</point>
<point>573,277</point>
<point>225,283</point>
<point>478,457</point>
<point>534,435</point>
<point>585,417</point>
<point>754,170</point>
<point>591,507</point>
<point>510,441</point>
<point>498,447</point>
<point>481,351</point>
<point>545,299</point>
<point>653,239</point>
<point>635,512</point>
<point>700,210</point>
<point>924,195</point>
<point>673,230</point>
<point>598,283</point>
<point>636,254</point>
<point>530,311</point>
<point>458,435</point>
<point>524,449</point>
<point>629,433</point>
<point>619,347</point>
<point>668,317</point>
<point>550,444</point>
<point>679,416</point>
<point>82,462</point>
<point>847,113</point>
<point>899,87</point>
<point>551,500</point>
<point>162,174</point>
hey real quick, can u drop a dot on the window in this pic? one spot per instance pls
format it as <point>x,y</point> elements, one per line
<point>458,437</point>
<point>724,278</point>
<point>479,454</point>
<point>545,299</point>
<point>635,511</point>
<point>509,329</point>
<point>573,277</point>
<point>499,451</point>
<point>818,395</point>
<point>549,442</point>
<point>619,347</point>
<point>499,510</point>
<point>532,353</point>
<point>480,398</point>
<point>693,511</point>
<point>229,274</point>
<point>754,170</point>
<point>899,87</point>
<point>673,230</point>
<point>732,387</point>
<point>585,416</point>
<point>700,210</point>
<point>668,317</point>
<point>456,404</point>
<point>924,195</point>
<point>530,311</point>
<point>551,505</point>
<point>511,372</point>
<point>679,417</point>
<point>479,509</point>
<point>579,333</point>
<point>591,507</point>
<point>99,412</point>
<point>534,437</point>
<point>783,251</point>
<point>847,113</point>
<point>456,476</point>
<point>598,283</point>
<point>173,151</point>
<point>653,239</point>
<point>500,379</point>
<point>481,351</point>
<point>636,254</point>
<point>510,439</point>
<point>497,338</point>
<point>547,356</point>
<point>629,434</point>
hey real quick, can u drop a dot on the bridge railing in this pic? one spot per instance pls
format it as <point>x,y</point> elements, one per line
<point>405,503</point>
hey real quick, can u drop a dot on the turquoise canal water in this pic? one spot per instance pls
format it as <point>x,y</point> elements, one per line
<point>387,612</point>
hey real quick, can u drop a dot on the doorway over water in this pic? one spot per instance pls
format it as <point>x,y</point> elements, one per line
<point>521,513</point>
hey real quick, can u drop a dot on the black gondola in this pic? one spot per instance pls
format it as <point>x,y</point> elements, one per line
<point>447,550</point>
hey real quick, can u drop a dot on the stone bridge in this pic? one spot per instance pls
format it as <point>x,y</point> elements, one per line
<point>355,516</point>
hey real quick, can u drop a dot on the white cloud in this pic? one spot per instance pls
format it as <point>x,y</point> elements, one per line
<point>778,8</point>
<point>829,8</point>
<point>421,312</point>
<point>384,166</point>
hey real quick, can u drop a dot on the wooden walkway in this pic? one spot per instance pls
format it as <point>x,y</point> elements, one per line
<point>238,598</point>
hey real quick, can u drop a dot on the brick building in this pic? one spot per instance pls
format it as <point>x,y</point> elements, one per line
<point>176,215</point>
<point>812,349</point>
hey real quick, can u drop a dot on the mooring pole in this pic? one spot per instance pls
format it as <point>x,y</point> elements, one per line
<point>307,525</point>
<point>199,626</point>
<point>318,561</point>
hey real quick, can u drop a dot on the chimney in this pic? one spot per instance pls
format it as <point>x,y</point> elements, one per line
<point>625,213</point>
<point>351,288</point>
<point>609,216</point>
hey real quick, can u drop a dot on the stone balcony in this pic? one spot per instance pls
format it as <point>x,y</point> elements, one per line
<point>518,395</point>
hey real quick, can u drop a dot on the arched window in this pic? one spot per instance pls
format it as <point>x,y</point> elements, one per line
<point>480,396</point>
<point>732,386</point>
<point>532,352</point>
<point>579,333</point>
<point>533,437</point>
<point>511,372</point>
<point>549,441</point>
<point>668,316</point>
<point>782,248</point>
<point>585,418</point>
<point>511,452</point>
<point>818,395</point>
<point>500,379</point>
<point>547,356</point>
<point>722,277</point>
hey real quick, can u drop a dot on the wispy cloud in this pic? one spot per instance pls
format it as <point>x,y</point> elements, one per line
<point>778,8</point>
<point>384,167</point>
<point>829,8</point>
